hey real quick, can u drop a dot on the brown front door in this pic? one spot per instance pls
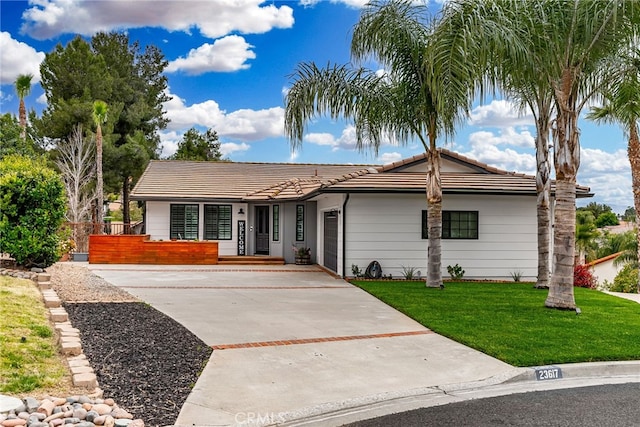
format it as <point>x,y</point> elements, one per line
<point>262,230</point>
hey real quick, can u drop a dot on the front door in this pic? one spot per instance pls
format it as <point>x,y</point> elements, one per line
<point>331,240</point>
<point>262,230</point>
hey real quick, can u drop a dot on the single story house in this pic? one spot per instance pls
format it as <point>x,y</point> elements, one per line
<point>349,215</point>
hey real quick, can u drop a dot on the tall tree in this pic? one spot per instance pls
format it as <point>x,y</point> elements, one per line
<point>100,111</point>
<point>565,44</point>
<point>129,79</point>
<point>423,95</point>
<point>622,106</point>
<point>23,89</point>
<point>198,146</point>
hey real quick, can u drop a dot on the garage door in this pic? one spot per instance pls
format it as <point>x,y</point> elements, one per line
<point>331,240</point>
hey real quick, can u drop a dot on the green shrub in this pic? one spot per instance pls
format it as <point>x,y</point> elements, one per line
<point>606,218</point>
<point>32,207</point>
<point>626,280</point>
<point>456,272</point>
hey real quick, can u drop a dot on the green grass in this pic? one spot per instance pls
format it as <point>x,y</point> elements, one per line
<point>29,359</point>
<point>510,322</point>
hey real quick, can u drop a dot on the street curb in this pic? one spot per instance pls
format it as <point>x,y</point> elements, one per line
<point>366,407</point>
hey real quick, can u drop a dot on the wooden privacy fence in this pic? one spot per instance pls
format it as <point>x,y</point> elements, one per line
<point>138,249</point>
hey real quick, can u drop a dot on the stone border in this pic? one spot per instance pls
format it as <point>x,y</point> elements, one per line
<point>68,337</point>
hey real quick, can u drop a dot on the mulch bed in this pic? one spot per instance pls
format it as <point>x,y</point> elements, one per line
<point>143,359</point>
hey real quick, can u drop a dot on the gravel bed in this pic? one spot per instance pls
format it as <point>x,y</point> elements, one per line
<point>143,359</point>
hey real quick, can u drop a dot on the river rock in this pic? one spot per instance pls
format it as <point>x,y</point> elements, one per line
<point>71,420</point>
<point>97,420</point>
<point>119,413</point>
<point>109,421</point>
<point>56,422</point>
<point>101,408</point>
<point>91,416</point>
<point>38,424</point>
<point>31,404</point>
<point>84,399</point>
<point>80,413</point>
<point>15,422</point>
<point>123,422</point>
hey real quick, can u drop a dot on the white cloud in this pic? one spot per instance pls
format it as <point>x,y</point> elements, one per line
<point>49,18</point>
<point>506,136</point>
<point>346,141</point>
<point>226,54</point>
<point>350,3</point>
<point>18,58</point>
<point>244,124</point>
<point>500,113</point>
<point>169,141</point>
<point>386,158</point>
<point>228,148</point>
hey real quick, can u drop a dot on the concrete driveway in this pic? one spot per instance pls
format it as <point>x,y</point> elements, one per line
<point>293,342</point>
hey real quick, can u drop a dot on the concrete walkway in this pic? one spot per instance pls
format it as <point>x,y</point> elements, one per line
<point>293,342</point>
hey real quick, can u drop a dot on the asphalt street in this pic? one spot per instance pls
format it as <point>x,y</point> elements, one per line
<point>594,406</point>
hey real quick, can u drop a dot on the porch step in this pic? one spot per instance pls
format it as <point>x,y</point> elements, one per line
<point>250,260</point>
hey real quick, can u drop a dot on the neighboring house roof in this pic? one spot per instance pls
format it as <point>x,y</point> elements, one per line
<point>187,180</point>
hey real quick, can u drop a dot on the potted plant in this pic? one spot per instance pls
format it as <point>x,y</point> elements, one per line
<point>302,254</point>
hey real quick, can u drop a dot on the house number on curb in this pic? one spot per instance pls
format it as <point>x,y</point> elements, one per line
<point>548,373</point>
<point>241,237</point>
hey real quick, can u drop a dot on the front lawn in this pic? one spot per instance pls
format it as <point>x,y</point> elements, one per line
<point>509,321</point>
<point>29,358</point>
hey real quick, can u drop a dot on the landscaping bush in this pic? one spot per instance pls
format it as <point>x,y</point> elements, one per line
<point>32,207</point>
<point>583,277</point>
<point>626,280</point>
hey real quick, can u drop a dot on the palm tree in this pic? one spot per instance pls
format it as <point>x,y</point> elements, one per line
<point>564,43</point>
<point>622,106</point>
<point>422,94</point>
<point>586,235</point>
<point>23,89</point>
<point>100,110</point>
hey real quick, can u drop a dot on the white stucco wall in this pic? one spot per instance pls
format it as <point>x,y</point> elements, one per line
<point>387,228</point>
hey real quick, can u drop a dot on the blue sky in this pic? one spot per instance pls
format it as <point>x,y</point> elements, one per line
<point>229,67</point>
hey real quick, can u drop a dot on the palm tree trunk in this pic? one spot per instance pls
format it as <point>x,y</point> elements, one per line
<point>22,113</point>
<point>543,185</point>
<point>633,151</point>
<point>567,162</point>
<point>434,219</point>
<point>99,186</point>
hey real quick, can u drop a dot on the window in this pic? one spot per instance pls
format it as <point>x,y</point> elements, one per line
<point>217,222</point>
<point>455,225</point>
<point>183,222</point>
<point>276,223</point>
<point>299,223</point>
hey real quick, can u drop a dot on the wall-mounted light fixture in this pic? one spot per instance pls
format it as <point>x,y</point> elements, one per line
<point>241,211</point>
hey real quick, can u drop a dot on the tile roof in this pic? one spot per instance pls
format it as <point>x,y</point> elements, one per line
<point>189,180</point>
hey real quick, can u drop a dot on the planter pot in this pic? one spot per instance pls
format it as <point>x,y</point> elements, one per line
<point>303,260</point>
<point>80,256</point>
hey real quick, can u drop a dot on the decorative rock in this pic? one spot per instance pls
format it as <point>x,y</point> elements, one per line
<point>38,424</point>
<point>59,401</point>
<point>122,422</point>
<point>38,416</point>
<point>71,420</point>
<point>23,415</point>
<point>87,406</point>
<point>55,423</point>
<point>109,401</point>
<point>80,413</point>
<point>46,407</point>
<point>55,416</point>
<point>8,403</point>
<point>21,408</point>
<point>14,422</point>
<point>31,404</point>
<point>91,416</point>
<point>120,413</point>
<point>109,421</point>
<point>84,399</point>
<point>99,420</point>
<point>85,424</point>
<point>101,408</point>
